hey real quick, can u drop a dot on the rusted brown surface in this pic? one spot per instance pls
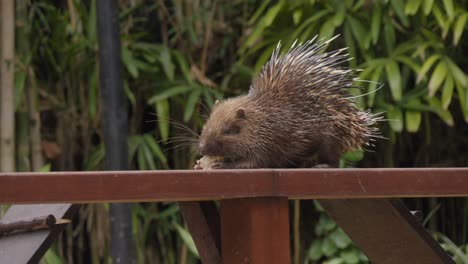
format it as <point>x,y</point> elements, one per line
<point>189,185</point>
<point>29,247</point>
<point>255,230</point>
<point>202,219</point>
<point>386,231</point>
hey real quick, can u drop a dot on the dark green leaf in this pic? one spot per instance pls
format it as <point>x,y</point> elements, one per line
<point>448,4</point>
<point>426,66</point>
<point>166,62</point>
<point>350,256</point>
<point>192,101</point>
<point>447,92</point>
<point>170,92</point>
<point>412,6</point>
<point>328,247</point>
<point>399,7</point>
<point>187,238</point>
<point>315,250</point>
<point>428,6</point>
<point>394,79</point>
<point>376,22</point>
<point>413,121</point>
<point>459,28</point>
<point>395,119</point>
<point>340,238</point>
<point>155,149</point>
<point>162,108</point>
<point>437,77</point>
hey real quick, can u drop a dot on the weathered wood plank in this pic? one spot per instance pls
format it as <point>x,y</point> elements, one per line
<point>29,247</point>
<point>255,230</point>
<point>202,219</point>
<point>386,231</point>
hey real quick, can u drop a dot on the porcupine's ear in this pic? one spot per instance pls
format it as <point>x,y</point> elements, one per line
<point>217,102</point>
<point>240,113</point>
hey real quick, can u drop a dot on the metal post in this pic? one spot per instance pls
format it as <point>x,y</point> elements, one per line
<point>114,122</point>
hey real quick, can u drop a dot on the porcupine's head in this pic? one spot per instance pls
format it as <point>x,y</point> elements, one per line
<point>229,130</point>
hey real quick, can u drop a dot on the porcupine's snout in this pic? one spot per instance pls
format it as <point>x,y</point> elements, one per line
<point>210,147</point>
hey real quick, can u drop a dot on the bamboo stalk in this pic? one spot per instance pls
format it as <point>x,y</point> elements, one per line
<point>7,117</point>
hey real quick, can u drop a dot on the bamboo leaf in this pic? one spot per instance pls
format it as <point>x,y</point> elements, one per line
<point>426,66</point>
<point>376,22</point>
<point>428,6</point>
<point>459,28</point>
<point>443,22</point>
<point>297,15</point>
<point>162,108</point>
<point>394,78</point>
<point>413,121</point>
<point>350,44</point>
<point>447,92</point>
<point>457,73</point>
<point>129,62</point>
<point>192,101</point>
<point>141,160</point>
<point>412,6</point>
<point>445,115</point>
<point>183,67</point>
<point>448,4</point>
<point>166,62</point>
<point>389,34</point>
<point>359,32</point>
<point>438,76</point>
<point>375,80</point>
<point>328,29</point>
<point>170,92</point>
<point>148,157</point>
<point>155,149</point>
<point>395,119</point>
<point>263,23</point>
<point>398,7</point>
<point>187,238</point>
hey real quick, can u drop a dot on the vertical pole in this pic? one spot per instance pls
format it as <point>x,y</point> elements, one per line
<point>7,67</point>
<point>114,122</point>
<point>255,230</point>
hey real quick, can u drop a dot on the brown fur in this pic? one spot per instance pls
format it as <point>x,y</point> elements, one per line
<point>296,108</point>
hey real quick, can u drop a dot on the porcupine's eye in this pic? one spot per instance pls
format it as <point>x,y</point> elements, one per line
<point>231,130</point>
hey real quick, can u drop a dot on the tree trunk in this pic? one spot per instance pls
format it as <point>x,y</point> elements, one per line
<point>7,121</point>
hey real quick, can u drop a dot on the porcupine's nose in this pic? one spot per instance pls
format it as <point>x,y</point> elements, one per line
<point>209,148</point>
<point>202,147</point>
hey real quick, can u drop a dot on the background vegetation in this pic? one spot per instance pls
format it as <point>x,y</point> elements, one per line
<point>180,56</point>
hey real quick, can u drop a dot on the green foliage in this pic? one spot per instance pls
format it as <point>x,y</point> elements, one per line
<point>406,47</point>
<point>331,245</point>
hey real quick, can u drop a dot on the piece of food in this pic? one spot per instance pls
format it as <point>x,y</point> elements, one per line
<point>207,162</point>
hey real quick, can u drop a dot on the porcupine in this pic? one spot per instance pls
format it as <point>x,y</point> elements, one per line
<point>296,107</point>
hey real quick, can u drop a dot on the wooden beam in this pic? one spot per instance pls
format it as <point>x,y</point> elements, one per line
<point>190,185</point>
<point>29,247</point>
<point>386,231</point>
<point>202,219</point>
<point>255,230</point>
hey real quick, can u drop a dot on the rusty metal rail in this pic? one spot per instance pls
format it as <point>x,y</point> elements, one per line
<point>189,185</point>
